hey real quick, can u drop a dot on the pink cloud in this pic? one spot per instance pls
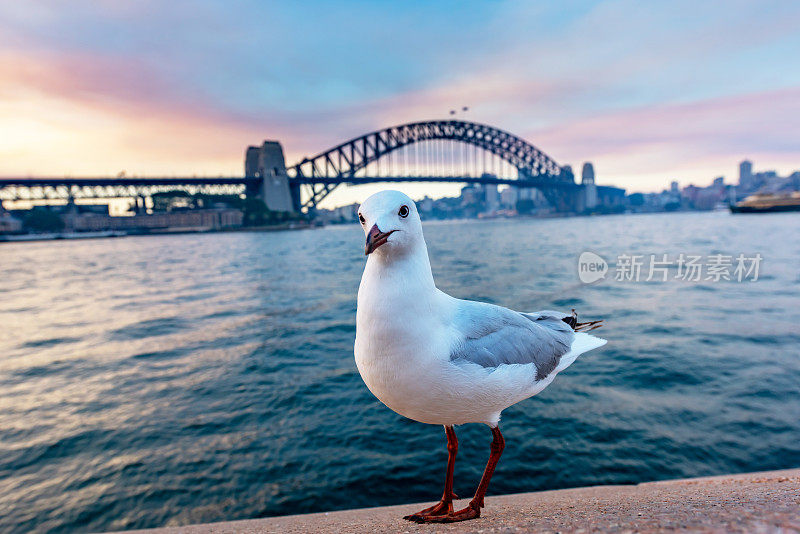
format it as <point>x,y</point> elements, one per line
<point>107,109</point>
<point>693,141</point>
<point>158,124</point>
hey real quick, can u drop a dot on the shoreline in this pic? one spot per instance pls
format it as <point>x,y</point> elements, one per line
<point>105,234</point>
<point>751,502</point>
<point>295,225</point>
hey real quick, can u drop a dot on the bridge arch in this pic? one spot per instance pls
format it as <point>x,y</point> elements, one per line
<point>342,162</point>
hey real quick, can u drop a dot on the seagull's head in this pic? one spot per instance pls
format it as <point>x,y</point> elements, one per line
<point>391,223</point>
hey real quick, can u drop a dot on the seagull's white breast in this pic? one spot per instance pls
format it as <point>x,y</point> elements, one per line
<point>400,348</point>
<point>404,335</point>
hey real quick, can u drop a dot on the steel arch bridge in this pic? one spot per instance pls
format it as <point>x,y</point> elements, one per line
<point>379,156</point>
<point>347,162</point>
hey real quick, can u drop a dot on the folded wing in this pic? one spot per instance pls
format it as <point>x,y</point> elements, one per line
<point>490,336</point>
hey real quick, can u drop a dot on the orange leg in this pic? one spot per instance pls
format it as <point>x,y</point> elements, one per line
<point>473,509</point>
<point>445,505</point>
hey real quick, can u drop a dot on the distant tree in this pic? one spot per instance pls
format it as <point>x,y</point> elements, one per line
<point>167,200</point>
<point>525,206</point>
<point>256,212</point>
<point>41,219</point>
<point>636,199</point>
<point>203,200</point>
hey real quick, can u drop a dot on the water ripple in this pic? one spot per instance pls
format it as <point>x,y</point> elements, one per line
<point>163,380</point>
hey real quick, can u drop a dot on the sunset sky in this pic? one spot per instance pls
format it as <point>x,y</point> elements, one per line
<point>649,92</point>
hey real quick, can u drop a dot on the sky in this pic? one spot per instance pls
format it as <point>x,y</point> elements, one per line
<point>648,91</point>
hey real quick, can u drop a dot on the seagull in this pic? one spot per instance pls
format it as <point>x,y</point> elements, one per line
<point>445,361</point>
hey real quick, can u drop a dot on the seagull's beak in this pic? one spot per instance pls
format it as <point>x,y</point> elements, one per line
<point>376,238</point>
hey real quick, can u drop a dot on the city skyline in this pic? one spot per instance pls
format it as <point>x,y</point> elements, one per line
<point>674,92</point>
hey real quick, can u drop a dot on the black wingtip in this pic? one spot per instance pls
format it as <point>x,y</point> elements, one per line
<point>572,321</point>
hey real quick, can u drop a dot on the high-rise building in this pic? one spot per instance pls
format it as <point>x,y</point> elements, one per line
<point>589,187</point>
<point>508,197</point>
<point>587,174</point>
<point>746,174</point>
<point>491,197</point>
<point>469,195</point>
<point>567,174</point>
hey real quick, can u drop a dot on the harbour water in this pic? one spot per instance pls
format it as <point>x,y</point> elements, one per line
<point>166,380</point>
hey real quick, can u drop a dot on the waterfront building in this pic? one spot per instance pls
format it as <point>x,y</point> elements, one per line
<point>8,223</point>
<point>425,205</point>
<point>205,219</point>
<point>346,214</point>
<point>611,199</point>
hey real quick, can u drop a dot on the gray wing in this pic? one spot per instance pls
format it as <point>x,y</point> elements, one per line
<point>492,335</point>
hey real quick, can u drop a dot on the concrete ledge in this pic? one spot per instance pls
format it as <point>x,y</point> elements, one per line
<point>754,502</point>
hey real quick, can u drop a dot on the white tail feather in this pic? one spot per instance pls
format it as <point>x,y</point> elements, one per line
<point>582,343</point>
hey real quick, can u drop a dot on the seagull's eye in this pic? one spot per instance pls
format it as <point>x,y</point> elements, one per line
<point>361,218</point>
<point>403,211</point>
